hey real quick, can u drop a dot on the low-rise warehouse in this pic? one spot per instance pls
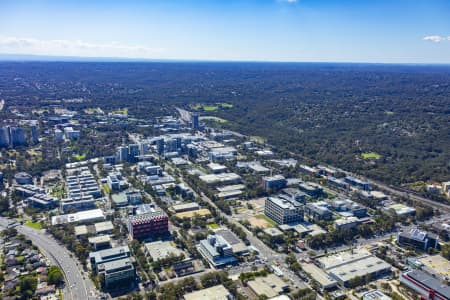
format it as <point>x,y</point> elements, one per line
<point>271,286</point>
<point>324,280</point>
<point>218,292</point>
<point>345,266</point>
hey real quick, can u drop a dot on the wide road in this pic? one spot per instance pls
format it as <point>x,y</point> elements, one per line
<point>78,286</point>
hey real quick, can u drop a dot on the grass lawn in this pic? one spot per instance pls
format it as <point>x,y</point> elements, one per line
<point>226,105</point>
<point>330,195</point>
<point>80,157</point>
<point>123,111</point>
<point>210,107</point>
<point>370,155</point>
<point>267,219</point>
<point>196,106</point>
<point>258,139</point>
<point>213,226</point>
<point>106,189</point>
<point>34,225</point>
<point>215,119</point>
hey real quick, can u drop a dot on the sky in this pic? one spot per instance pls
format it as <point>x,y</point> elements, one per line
<point>377,31</point>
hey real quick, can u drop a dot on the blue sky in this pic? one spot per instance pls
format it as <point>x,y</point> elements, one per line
<point>403,31</point>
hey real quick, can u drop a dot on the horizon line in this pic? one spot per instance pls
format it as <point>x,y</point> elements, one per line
<point>11,57</point>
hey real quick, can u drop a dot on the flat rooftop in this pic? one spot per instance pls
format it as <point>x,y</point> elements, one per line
<point>217,178</point>
<point>436,264</point>
<point>186,206</point>
<point>99,239</point>
<point>430,282</point>
<point>160,250</point>
<point>271,285</point>
<point>343,258</point>
<point>218,292</point>
<point>116,265</point>
<point>104,226</point>
<point>320,276</point>
<point>81,216</point>
<point>231,187</point>
<point>360,268</point>
<point>236,244</point>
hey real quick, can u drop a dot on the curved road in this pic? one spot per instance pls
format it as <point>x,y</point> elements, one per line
<point>76,286</point>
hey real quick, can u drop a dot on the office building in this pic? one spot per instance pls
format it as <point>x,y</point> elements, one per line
<point>195,121</point>
<point>148,222</point>
<point>42,201</point>
<point>346,223</point>
<point>274,182</point>
<point>28,190</point>
<point>426,285</point>
<point>117,273</point>
<point>401,209</point>
<point>122,153</point>
<point>134,197</point>
<point>222,154</point>
<point>363,185</point>
<point>337,182</point>
<point>294,194</point>
<point>216,168</point>
<point>312,189</point>
<point>160,146</point>
<point>23,178</point>
<point>34,134</point>
<point>79,217</point>
<point>216,250</point>
<point>144,148</point>
<point>58,135</point>
<point>4,136</point>
<point>418,239</point>
<point>318,211</point>
<point>99,257</point>
<point>237,245</point>
<point>185,207</point>
<point>283,211</point>
<point>184,190</point>
<point>84,202</point>
<point>133,152</point>
<point>17,136</point>
<point>100,242</point>
<point>71,133</point>
<point>349,206</point>
<point>82,185</point>
<point>116,181</point>
<point>224,178</point>
<point>105,227</point>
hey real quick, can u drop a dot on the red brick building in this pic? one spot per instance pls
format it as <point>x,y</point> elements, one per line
<point>147,225</point>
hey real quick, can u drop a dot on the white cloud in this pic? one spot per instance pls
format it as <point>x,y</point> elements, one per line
<point>436,38</point>
<point>16,45</point>
<point>288,1</point>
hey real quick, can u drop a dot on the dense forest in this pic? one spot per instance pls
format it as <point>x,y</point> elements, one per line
<point>333,113</point>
